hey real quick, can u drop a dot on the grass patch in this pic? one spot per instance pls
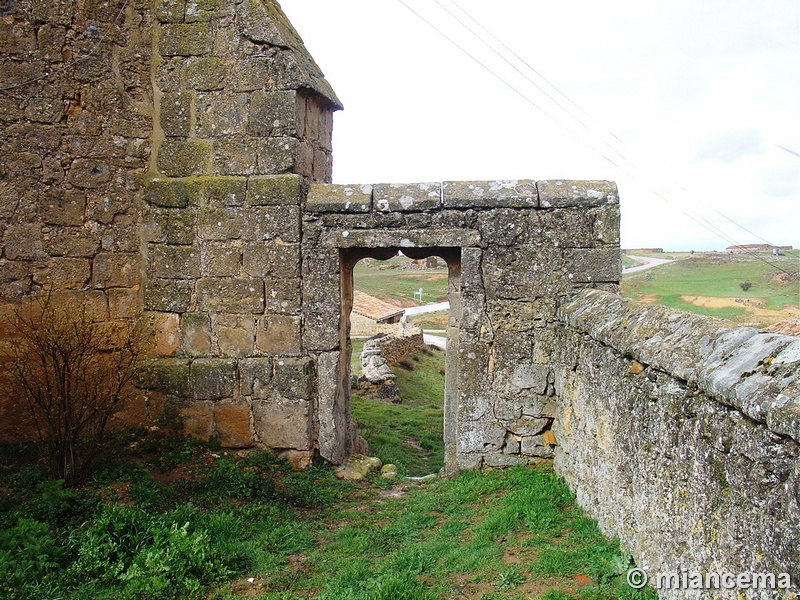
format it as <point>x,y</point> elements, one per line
<point>242,525</point>
<point>387,279</point>
<point>410,434</point>
<point>718,276</point>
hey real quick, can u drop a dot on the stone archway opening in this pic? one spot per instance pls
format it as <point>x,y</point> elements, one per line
<point>349,257</point>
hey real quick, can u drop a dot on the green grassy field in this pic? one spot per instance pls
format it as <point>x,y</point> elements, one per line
<point>715,280</point>
<point>171,519</point>
<point>387,280</point>
<point>410,434</point>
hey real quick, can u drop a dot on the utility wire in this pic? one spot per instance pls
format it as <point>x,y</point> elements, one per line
<point>697,219</point>
<point>568,99</point>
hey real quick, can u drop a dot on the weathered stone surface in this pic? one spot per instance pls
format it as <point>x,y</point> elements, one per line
<point>221,259</point>
<point>175,262</point>
<point>490,194</point>
<point>225,294</point>
<point>206,73</point>
<point>191,39</point>
<point>559,193</point>
<point>329,197</point>
<point>220,114</point>
<point>293,377</point>
<point>272,114</point>
<point>593,264</point>
<point>278,334</point>
<point>171,193</point>
<point>116,270</point>
<point>235,334</point>
<point>175,114</point>
<point>167,375</point>
<point>167,295</point>
<point>275,259</point>
<point>166,334</point>
<point>357,467</point>
<point>406,197</point>
<point>255,376</point>
<point>196,334</point>
<point>213,378</point>
<point>274,190</point>
<point>232,424</point>
<point>282,423</point>
<point>184,157</point>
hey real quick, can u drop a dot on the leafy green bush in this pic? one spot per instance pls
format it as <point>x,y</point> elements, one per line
<point>142,555</point>
<point>28,553</point>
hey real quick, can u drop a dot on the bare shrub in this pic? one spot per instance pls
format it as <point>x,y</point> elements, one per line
<point>69,371</point>
<point>745,285</point>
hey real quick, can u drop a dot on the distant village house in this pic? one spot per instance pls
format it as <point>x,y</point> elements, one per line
<point>371,315</point>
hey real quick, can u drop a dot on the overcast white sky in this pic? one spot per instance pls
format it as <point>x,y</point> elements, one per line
<point>701,93</point>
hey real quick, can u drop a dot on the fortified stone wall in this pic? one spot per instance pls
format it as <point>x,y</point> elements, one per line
<point>155,155</point>
<point>513,250</point>
<point>680,434</point>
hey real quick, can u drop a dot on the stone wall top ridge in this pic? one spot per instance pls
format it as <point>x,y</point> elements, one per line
<point>754,372</point>
<point>417,197</point>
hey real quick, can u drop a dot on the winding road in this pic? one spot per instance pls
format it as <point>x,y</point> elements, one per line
<point>650,263</point>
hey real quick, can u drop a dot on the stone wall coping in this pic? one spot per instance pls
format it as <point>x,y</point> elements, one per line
<point>417,197</point>
<point>752,371</point>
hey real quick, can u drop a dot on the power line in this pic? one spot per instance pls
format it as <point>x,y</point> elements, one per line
<point>699,219</point>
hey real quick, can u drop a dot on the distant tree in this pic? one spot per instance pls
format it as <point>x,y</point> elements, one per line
<point>745,285</point>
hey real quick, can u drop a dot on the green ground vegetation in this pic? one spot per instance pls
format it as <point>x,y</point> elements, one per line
<point>718,276</point>
<point>166,518</point>
<point>389,280</point>
<point>409,434</point>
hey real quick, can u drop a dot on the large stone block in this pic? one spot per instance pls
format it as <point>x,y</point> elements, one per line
<point>268,258</point>
<point>274,190</point>
<point>184,157</point>
<point>278,334</point>
<point>328,197</point>
<point>196,334</point>
<point>221,259</point>
<point>407,197</point>
<point>593,264</point>
<point>206,73</point>
<point>175,262</point>
<point>25,242</point>
<point>221,223</point>
<point>228,295</point>
<point>68,241</point>
<point>221,114</point>
<point>282,423</point>
<point>166,333</point>
<point>511,193</point>
<point>255,376</point>
<point>293,377</point>
<point>235,334</point>
<point>167,295</point>
<point>169,376</point>
<point>213,378</point>
<point>267,223</point>
<point>232,424</point>
<point>116,270</point>
<point>221,191</point>
<point>170,193</point>
<point>272,114</point>
<point>559,193</point>
<point>282,296</point>
<point>175,114</point>
<point>192,39</point>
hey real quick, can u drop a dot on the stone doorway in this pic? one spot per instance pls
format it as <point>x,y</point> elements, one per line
<point>349,257</point>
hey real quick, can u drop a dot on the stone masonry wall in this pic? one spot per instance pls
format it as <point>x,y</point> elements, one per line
<point>155,155</point>
<point>513,249</point>
<point>75,133</point>
<point>681,435</point>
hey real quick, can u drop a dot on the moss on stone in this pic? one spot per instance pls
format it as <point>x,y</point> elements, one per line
<point>274,190</point>
<point>166,375</point>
